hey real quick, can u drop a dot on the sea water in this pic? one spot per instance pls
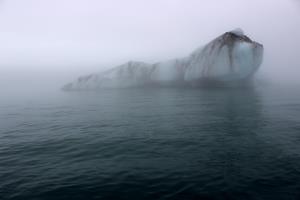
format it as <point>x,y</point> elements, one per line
<point>151,144</point>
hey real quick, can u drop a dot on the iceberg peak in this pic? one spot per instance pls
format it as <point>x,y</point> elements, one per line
<point>238,32</point>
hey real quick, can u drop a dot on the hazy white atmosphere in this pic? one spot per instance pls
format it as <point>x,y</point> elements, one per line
<point>51,42</point>
<point>149,99</point>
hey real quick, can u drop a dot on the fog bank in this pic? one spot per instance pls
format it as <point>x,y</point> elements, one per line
<point>57,40</point>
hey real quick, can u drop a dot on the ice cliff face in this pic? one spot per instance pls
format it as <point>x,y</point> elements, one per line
<point>231,57</point>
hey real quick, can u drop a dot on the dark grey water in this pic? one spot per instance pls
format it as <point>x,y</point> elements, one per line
<point>151,144</point>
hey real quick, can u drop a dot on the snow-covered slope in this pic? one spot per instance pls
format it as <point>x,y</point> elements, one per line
<point>231,57</point>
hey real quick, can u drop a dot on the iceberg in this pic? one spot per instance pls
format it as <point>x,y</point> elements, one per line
<point>230,58</point>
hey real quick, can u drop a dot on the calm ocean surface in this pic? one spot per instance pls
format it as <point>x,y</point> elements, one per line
<point>151,144</point>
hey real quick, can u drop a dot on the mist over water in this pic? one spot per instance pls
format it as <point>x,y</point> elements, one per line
<point>71,38</point>
<point>146,143</point>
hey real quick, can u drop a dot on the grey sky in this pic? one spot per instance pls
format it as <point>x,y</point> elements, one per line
<point>96,34</point>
